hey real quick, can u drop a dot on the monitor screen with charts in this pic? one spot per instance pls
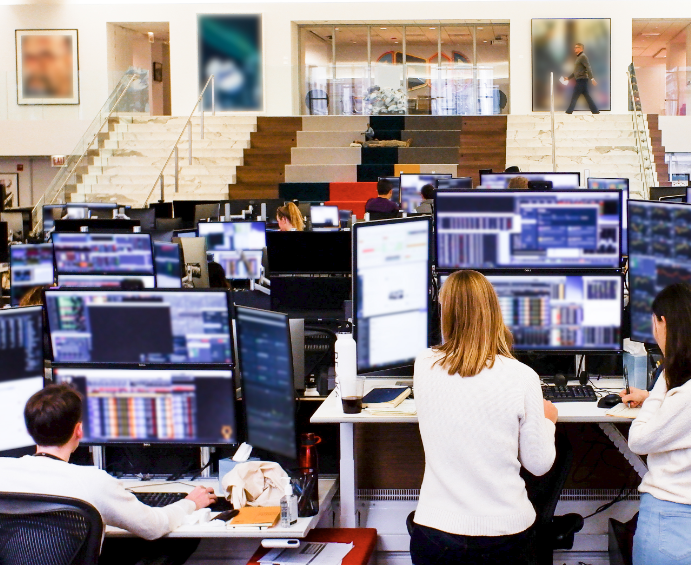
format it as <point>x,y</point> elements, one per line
<point>21,371</point>
<point>236,246</point>
<point>454,183</point>
<point>154,406</point>
<point>268,390</point>
<point>103,253</point>
<point>558,180</point>
<point>616,184</point>
<point>324,217</point>
<point>390,291</point>
<point>659,255</point>
<point>106,281</point>
<point>411,186</point>
<point>396,183</point>
<point>486,229</point>
<point>148,327</point>
<point>168,261</point>
<point>561,312</point>
<point>30,266</point>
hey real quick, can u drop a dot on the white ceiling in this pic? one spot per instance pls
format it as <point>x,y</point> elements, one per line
<point>160,29</point>
<point>646,44</point>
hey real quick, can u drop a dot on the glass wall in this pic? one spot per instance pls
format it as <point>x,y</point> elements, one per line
<point>422,68</point>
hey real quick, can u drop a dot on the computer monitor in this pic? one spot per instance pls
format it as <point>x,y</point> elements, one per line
<point>30,266</point>
<point>145,327</point>
<point>21,373</point>
<point>391,281</point>
<point>396,184</point>
<point>562,313</point>
<point>236,246</point>
<point>519,229</point>
<point>103,253</point>
<point>681,199</point>
<point>306,252</point>
<point>616,184</point>
<point>679,177</point>
<point>559,180</point>
<point>105,281</point>
<point>659,255</point>
<point>207,212</point>
<point>454,183</point>
<point>154,406</point>
<point>168,263</point>
<point>411,186</point>
<point>191,232</point>
<point>324,217</point>
<point>268,391</point>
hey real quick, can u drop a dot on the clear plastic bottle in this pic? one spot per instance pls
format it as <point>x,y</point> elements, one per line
<point>346,364</point>
<point>289,506</point>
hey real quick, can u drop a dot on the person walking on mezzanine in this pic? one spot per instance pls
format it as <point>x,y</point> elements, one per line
<point>582,73</point>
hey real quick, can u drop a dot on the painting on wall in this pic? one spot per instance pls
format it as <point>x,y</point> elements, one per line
<point>230,48</point>
<point>47,66</point>
<point>9,189</point>
<point>553,43</point>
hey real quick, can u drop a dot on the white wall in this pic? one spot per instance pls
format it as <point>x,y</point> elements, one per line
<point>651,75</point>
<point>280,47</point>
<point>33,180</point>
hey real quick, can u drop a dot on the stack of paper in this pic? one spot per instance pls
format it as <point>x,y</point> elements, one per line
<point>255,518</point>
<point>405,408</point>
<point>312,553</point>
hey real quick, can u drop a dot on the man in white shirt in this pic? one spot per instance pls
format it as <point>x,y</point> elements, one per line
<point>54,420</point>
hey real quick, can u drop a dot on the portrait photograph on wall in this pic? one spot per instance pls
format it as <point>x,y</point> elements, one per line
<point>230,48</point>
<point>47,66</point>
<point>553,42</point>
<point>9,190</point>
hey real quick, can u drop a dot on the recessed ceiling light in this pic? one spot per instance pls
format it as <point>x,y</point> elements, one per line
<point>433,28</point>
<point>382,28</point>
<point>481,28</point>
<point>650,34</point>
<point>485,41</point>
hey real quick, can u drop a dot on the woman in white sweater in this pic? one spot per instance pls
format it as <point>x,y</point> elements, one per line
<point>481,415</point>
<point>662,431</point>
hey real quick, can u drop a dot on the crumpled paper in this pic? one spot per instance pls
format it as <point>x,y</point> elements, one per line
<point>255,483</point>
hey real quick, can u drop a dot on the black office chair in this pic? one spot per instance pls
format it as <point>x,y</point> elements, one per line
<point>50,530</point>
<point>383,215</point>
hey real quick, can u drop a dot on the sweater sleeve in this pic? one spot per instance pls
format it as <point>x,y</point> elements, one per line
<point>120,508</point>
<point>664,421</point>
<point>536,450</point>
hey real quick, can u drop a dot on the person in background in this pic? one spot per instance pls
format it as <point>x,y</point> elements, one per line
<point>290,218</point>
<point>53,418</point>
<point>34,297</point>
<point>369,133</point>
<point>217,276</point>
<point>518,182</point>
<point>662,431</point>
<point>582,73</point>
<point>382,203</point>
<point>427,204</point>
<point>473,505</point>
<point>512,169</point>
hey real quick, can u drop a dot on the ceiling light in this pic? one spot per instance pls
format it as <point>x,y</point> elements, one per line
<point>382,28</point>
<point>433,28</point>
<point>650,34</point>
<point>481,28</point>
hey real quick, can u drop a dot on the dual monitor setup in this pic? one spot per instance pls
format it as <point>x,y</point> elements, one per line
<point>154,367</point>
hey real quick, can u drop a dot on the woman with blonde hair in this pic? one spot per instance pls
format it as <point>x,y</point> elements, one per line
<point>481,416</point>
<point>290,218</point>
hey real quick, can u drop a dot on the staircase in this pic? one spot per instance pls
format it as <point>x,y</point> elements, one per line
<point>605,145</point>
<point>131,153</point>
<point>482,146</point>
<point>658,150</point>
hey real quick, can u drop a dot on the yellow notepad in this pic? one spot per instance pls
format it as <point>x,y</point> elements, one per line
<point>256,516</point>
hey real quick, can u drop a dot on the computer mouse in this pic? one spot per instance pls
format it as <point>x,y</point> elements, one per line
<point>609,401</point>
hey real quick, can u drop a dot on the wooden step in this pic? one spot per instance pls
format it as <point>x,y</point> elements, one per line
<point>278,124</point>
<point>260,175</point>
<point>248,191</point>
<point>271,139</point>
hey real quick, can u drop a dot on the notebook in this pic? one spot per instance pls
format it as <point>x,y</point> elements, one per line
<point>256,517</point>
<point>391,396</point>
<point>623,411</point>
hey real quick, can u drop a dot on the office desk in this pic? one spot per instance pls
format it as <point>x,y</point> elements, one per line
<point>330,412</point>
<point>327,489</point>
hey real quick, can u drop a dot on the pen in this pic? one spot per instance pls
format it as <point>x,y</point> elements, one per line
<point>626,382</point>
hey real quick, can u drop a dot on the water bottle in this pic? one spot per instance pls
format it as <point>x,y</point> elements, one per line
<point>346,364</point>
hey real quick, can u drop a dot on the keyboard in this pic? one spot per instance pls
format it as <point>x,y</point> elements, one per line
<point>569,393</point>
<point>161,499</point>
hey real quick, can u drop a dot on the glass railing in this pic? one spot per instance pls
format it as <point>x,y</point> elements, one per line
<point>130,96</point>
<point>378,89</point>
<point>643,141</point>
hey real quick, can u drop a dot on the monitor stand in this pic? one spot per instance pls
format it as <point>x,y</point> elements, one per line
<point>98,453</point>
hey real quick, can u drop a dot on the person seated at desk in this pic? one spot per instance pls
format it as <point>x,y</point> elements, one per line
<point>481,415</point>
<point>382,203</point>
<point>289,218</point>
<point>54,420</point>
<point>217,276</point>
<point>518,182</point>
<point>427,204</point>
<point>662,431</point>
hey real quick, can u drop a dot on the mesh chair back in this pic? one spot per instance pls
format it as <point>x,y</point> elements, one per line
<point>48,530</point>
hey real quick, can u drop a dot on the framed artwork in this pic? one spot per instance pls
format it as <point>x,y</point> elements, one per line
<point>47,66</point>
<point>158,72</point>
<point>9,186</point>
<point>230,48</point>
<point>553,43</point>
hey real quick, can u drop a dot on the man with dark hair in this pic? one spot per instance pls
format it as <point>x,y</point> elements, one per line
<point>512,169</point>
<point>53,418</point>
<point>582,73</point>
<point>383,203</point>
<point>427,204</point>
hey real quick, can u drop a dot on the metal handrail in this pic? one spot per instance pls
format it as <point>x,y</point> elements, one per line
<point>38,218</point>
<point>642,147</point>
<point>174,151</point>
<point>554,147</point>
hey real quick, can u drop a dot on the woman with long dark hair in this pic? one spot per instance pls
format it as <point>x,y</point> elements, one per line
<point>662,431</point>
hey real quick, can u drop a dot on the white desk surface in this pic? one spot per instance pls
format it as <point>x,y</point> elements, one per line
<point>330,412</point>
<point>327,489</point>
